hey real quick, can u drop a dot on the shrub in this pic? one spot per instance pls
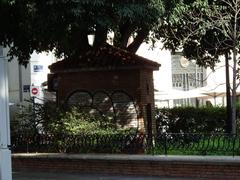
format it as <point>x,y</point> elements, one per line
<point>191,120</point>
<point>48,128</point>
<point>47,118</point>
<point>74,121</point>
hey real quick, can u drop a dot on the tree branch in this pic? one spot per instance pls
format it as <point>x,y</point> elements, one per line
<point>141,35</point>
<point>126,31</point>
<point>100,35</point>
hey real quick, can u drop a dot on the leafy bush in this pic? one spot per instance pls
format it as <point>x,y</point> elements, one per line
<point>30,118</point>
<point>47,118</point>
<point>48,128</point>
<point>74,121</point>
<point>191,120</point>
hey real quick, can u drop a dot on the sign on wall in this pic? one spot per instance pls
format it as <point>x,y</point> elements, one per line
<point>37,68</point>
<point>26,88</point>
<point>34,91</point>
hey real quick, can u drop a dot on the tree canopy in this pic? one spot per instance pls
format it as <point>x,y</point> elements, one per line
<point>64,25</point>
<point>205,30</point>
<point>201,29</point>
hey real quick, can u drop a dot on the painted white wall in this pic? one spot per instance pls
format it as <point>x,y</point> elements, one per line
<point>42,59</point>
<point>20,75</point>
<point>38,71</point>
<point>17,72</point>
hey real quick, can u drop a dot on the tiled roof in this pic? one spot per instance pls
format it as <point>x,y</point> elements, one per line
<point>105,57</point>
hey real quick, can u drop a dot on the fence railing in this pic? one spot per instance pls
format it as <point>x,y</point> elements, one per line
<point>196,144</point>
<point>167,143</point>
<point>88,143</point>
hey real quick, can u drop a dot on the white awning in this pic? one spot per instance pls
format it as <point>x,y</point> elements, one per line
<point>176,94</point>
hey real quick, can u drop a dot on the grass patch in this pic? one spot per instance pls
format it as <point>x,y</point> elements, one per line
<point>196,145</point>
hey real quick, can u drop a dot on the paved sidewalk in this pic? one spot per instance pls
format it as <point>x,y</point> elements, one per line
<point>74,176</point>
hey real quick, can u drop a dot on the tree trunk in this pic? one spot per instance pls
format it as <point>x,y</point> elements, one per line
<point>100,36</point>
<point>234,95</point>
<point>228,95</point>
<point>126,31</point>
<point>234,86</point>
<point>78,41</point>
<point>142,34</point>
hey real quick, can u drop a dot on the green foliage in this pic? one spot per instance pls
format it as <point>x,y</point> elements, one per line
<point>205,30</point>
<point>191,120</point>
<point>222,146</point>
<point>74,121</point>
<point>46,118</point>
<point>197,28</point>
<point>63,26</point>
<point>27,120</point>
<point>67,130</point>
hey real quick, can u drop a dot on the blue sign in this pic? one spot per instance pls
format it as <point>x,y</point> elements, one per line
<point>26,88</point>
<point>37,68</point>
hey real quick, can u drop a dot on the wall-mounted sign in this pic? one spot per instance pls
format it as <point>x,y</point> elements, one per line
<point>34,91</point>
<point>26,88</point>
<point>37,68</point>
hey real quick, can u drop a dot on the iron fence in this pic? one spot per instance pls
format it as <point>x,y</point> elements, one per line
<point>167,143</point>
<point>196,144</point>
<point>88,143</point>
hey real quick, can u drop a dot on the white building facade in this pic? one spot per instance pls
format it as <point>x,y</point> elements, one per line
<point>23,79</point>
<point>182,83</point>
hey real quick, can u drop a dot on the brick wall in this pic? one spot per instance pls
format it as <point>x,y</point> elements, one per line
<point>98,80</point>
<point>147,96</point>
<point>132,165</point>
<point>138,83</point>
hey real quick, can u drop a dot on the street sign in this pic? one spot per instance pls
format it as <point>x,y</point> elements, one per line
<point>37,68</point>
<point>34,90</point>
<point>26,88</point>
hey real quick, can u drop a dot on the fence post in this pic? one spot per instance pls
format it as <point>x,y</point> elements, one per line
<point>165,143</point>
<point>234,139</point>
<point>149,124</point>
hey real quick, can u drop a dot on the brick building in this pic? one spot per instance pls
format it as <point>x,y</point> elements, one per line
<point>104,77</point>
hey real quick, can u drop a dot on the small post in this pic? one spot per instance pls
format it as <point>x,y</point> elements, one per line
<point>149,124</point>
<point>165,143</point>
<point>5,153</point>
<point>228,97</point>
<point>33,107</point>
<point>233,148</point>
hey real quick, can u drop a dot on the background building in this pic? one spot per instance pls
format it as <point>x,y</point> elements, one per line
<point>177,83</point>
<point>187,75</point>
<point>182,83</point>
<point>21,79</point>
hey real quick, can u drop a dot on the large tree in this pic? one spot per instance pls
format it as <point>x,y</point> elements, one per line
<point>64,25</point>
<point>205,30</point>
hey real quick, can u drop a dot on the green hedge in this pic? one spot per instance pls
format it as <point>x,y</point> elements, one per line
<point>191,120</point>
<point>47,118</point>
